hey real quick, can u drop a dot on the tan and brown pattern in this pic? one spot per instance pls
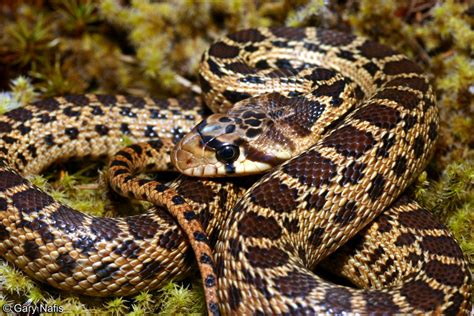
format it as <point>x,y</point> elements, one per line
<point>285,224</point>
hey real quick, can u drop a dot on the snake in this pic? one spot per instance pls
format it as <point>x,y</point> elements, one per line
<point>341,125</point>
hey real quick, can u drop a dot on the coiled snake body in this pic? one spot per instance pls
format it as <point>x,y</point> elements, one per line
<point>287,222</point>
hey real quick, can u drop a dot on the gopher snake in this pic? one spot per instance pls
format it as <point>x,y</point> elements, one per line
<point>287,222</point>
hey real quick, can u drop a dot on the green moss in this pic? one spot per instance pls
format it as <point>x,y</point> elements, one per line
<point>178,300</point>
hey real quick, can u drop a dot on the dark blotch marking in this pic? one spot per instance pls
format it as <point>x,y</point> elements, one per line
<point>275,195</point>
<point>250,48</point>
<point>210,281</point>
<point>346,55</point>
<point>124,129</point>
<point>142,227</point>
<point>77,99</point>
<point>137,102</point>
<point>31,200</point>
<point>316,236</point>
<point>320,74</point>
<point>421,295</point>
<point>262,64</point>
<point>105,228</point>
<point>346,213</point>
<point>128,249</point>
<point>66,263</point>
<point>387,142</point>
<point>266,258</point>
<point>189,215</point>
<point>213,308</point>
<point>338,300</point>
<point>125,155</point>
<point>350,141</point>
<point>333,38</point>
<point>257,281</point>
<point>3,204</point>
<point>106,271</point>
<point>69,111</point>
<point>409,122</point>
<point>295,284</point>
<point>257,226</point>
<point>433,131</point>
<point>196,191</point>
<point>400,166</point>
<point>253,132</point>
<point>214,68</point>
<point>200,236</point>
<point>229,129</point>
<point>416,83</point>
<point>178,200</point>
<point>150,269</point>
<point>49,105</point>
<point>371,68</point>
<point>9,179</point>
<point>289,32</point>
<point>4,234</point>
<point>291,225</point>
<point>333,90</point>
<point>376,189</point>
<point>171,239</point>
<point>234,247</point>
<point>372,49</point>
<point>234,96</point>
<point>23,129</point>
<point>240,68</point>
<point>315,202</point>
<point>449,274</point>
<point>441,245</point>
<point>249,35</point>
<point>85,244</point>
<point>234,296</point>
<point>46,118</point>
<point>5,127</point>
<point>379,115</point>
<point>9,140</point>
<point>419,219</point>
<point>405,239</point>
<point>353,173</point>
<point>155,144</point>
<point>418,146</point>
<point>72,132</point>
<point>379,303</point>
<point>101,129</point>
<point>311,169</point>
<point>407,99</point>
<point>19,114</point>
<point>222,50</point>
<point>32,251</point>
<point>401,66</point>
<point>150,131</point>
<point>126,111</point>
<point>205,85</point>
<point>457,300</point>
<point>107,100</point>
<point>383,223</point>
<point>67,219</point>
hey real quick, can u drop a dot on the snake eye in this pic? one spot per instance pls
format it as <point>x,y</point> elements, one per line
<point>227,153</point>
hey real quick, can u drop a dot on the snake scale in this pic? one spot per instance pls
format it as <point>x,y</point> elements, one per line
<point>359,131</point>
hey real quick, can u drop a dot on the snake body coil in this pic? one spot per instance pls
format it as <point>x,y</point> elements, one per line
<point>288,221</point>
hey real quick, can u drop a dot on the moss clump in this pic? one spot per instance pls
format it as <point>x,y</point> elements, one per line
<point>153,48</point>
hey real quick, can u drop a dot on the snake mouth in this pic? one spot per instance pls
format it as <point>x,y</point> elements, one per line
<point>191,157</point>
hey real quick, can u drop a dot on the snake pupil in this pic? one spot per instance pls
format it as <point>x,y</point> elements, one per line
<point>227,153</point>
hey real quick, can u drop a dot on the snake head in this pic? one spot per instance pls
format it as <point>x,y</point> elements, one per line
<point>227,145</point>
